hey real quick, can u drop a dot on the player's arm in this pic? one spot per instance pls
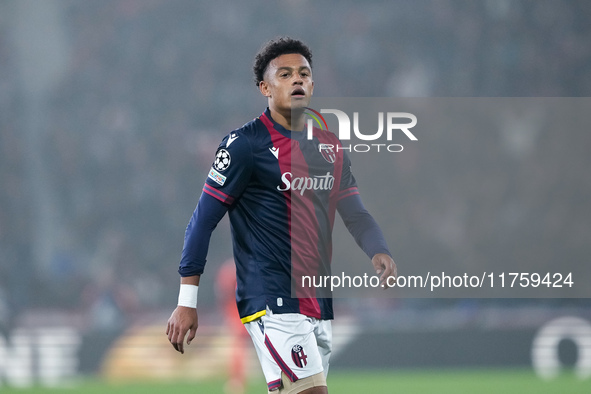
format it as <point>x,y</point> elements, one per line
<point>367,235</point>
<point>227,178</point>
<point>207,214</point>
<point>183,319</point>
<point>362,225</point>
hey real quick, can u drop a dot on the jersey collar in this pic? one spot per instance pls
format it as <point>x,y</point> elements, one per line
<point>285,132</point>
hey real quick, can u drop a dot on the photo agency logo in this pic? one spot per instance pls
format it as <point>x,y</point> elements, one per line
<point>395,122</point>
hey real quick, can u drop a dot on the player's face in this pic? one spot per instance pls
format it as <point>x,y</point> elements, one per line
<point>288,82</point>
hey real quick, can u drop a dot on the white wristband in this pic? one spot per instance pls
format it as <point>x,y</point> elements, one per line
<point>188,296</point>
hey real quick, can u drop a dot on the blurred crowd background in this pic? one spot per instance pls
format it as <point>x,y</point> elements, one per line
<point>111,110</point>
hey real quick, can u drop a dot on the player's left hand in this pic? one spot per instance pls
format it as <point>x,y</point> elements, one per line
<point>385,267</point>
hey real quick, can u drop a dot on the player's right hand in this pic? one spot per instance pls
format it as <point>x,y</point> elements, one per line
<point>182,320</point>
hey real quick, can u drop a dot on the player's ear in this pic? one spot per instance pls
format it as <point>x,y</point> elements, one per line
<point>264,88</point>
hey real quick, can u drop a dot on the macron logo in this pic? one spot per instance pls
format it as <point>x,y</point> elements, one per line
<point>231,139</point>
<point>275,152</point>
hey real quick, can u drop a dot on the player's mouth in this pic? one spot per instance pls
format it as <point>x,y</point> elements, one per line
<point>298,93</point>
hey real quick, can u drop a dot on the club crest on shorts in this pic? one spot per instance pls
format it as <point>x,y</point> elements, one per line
<point>222,160</point>
<point>327,151</point>
<point>298,356</point>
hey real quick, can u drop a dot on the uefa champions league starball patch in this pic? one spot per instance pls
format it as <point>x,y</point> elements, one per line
<point>222,160</point>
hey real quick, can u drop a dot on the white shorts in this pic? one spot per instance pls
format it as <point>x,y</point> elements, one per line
<point>292,343</point>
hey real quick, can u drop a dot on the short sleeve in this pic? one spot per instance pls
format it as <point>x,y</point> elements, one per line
<point>348,186</point>
<point>231,169</point>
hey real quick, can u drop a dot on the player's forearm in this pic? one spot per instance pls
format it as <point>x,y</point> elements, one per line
<point>362,226</point>
<point>206,216</point>
<point>190,280</point>
<point>370,237</point>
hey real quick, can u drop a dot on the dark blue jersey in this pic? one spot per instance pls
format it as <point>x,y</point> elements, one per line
<point>281,192</point>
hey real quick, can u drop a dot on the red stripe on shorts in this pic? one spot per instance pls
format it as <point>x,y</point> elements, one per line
<point>286,370</point>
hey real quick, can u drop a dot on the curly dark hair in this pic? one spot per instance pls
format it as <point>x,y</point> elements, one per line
<point>275,48</point>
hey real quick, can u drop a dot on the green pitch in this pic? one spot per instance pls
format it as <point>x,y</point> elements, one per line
<point>355,382</point>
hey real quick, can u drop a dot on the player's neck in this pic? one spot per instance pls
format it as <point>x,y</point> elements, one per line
<point>289,123</point>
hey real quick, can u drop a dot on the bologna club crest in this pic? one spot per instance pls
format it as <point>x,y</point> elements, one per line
<point>327,152</point>
<point>298,356</point>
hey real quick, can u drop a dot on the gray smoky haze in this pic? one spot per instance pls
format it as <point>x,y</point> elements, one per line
<point>111,112</point>
<point>491,200</point>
